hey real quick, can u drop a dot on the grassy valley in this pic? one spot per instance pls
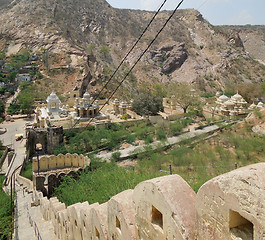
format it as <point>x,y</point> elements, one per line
<point>198,162</point>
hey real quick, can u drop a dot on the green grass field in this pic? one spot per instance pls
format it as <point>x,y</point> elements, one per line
<point>195,163</point>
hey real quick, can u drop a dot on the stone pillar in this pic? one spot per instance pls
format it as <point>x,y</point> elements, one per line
<point>116,104</point>
<point>93,113</point>
<point>121,216</point>
<point>123,108</point>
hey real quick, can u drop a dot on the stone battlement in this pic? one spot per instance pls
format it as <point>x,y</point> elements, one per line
<point>230,206</point>
<point>49,163</point>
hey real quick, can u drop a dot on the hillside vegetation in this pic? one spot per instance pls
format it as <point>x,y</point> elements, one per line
<point>5,215</point>
<point>84,47</point>
<point>234,147</point>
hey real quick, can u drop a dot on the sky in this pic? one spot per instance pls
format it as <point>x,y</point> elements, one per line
<point>217,12</point>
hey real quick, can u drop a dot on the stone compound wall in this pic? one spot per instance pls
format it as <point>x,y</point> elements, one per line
<point>60,161</point>
<point>230,206</point>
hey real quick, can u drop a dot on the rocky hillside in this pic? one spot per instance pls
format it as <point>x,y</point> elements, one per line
<point>85,40</point>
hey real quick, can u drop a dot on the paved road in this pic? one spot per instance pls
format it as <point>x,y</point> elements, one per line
<point>131,151</point>
<point>9,139</point>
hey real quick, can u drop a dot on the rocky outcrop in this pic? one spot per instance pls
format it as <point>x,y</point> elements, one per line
<point>170,57</point>
<point>257,121</point>
<point>175,58</point>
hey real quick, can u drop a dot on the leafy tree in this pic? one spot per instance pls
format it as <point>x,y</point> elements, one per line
<point>13,108</point>
<point>2,55</point>
<point>2,108</point>
<point>147,104</point>
<point>91,48</point>
<point>159,90</point>
<point>250,91</point>
<point>26,100</point>
<point>263,87</point>
<point>24,85</point>
<point>105,51</point>
<point>183,95</point>
<point>12,75</point>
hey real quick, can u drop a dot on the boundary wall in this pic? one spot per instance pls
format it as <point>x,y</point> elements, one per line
<point>52,162</point>
<point>230,206</point>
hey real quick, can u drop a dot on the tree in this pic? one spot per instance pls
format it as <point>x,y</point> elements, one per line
<point>2,108</point>
<point>184,95</point>
<point>26,101</point>
<point>159,90</point>
<point>147,104</point>
<point>12,75</point>
<point>250,91</point>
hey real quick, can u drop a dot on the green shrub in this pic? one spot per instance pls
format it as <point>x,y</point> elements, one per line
<point>258,113</point>
<point>61,149</point>
<point>5,214</point>
<point>130,138</point>
<point>148,139</point>
<point>124,117</point>
<point>115,157</point>
<point>27,171</point>
<point>161,135</point>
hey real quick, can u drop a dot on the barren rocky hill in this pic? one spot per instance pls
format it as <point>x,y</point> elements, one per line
<point>86,39</point>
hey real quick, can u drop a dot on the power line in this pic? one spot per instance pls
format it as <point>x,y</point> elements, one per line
<point>151,43</point>
<point>123,60</point>
<point>202,4</point>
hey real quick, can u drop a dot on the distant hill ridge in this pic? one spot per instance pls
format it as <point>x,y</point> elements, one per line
<point>92,37</point>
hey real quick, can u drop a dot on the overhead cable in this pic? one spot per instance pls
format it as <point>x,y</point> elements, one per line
<point>151,43</point>
<point>123,60</point>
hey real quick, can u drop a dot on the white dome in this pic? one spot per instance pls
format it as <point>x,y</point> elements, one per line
<point>86,95</point>
<point>123,104</point>
<point>223,98</point>
<point>260,105</point>
<point>218,94</point>
<point>252,106</point>
<point>238,97</point>
<point>229,103</point>
<point>53,98</point>
<point>116,101</point>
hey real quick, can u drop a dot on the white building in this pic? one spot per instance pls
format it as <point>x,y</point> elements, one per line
<point>53,103</point>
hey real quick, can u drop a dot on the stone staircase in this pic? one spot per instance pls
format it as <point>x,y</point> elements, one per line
<point>30,224</point>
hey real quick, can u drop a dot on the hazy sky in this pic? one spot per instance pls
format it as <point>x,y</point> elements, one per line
<point>217,12</point>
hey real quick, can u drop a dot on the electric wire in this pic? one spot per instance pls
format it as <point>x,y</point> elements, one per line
<point>202,4</point>
<point>139,58</point>
<point>132,48</point>
<point>143,53</point>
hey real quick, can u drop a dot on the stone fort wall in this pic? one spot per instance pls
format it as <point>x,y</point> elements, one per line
<point>48,163</point>
<point>230,206</point>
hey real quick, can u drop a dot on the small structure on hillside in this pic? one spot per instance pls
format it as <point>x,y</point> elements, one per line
<point>84,107</point>
<point>24,77</point>
<point>53,103</point>
<point>120,108</point>
<point>234,106</point>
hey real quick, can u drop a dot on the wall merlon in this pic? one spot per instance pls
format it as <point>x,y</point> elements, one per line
<point>230,206</point>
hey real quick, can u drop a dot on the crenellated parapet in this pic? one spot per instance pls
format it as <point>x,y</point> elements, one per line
<point>52,162</point>
<point>230,206</point>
